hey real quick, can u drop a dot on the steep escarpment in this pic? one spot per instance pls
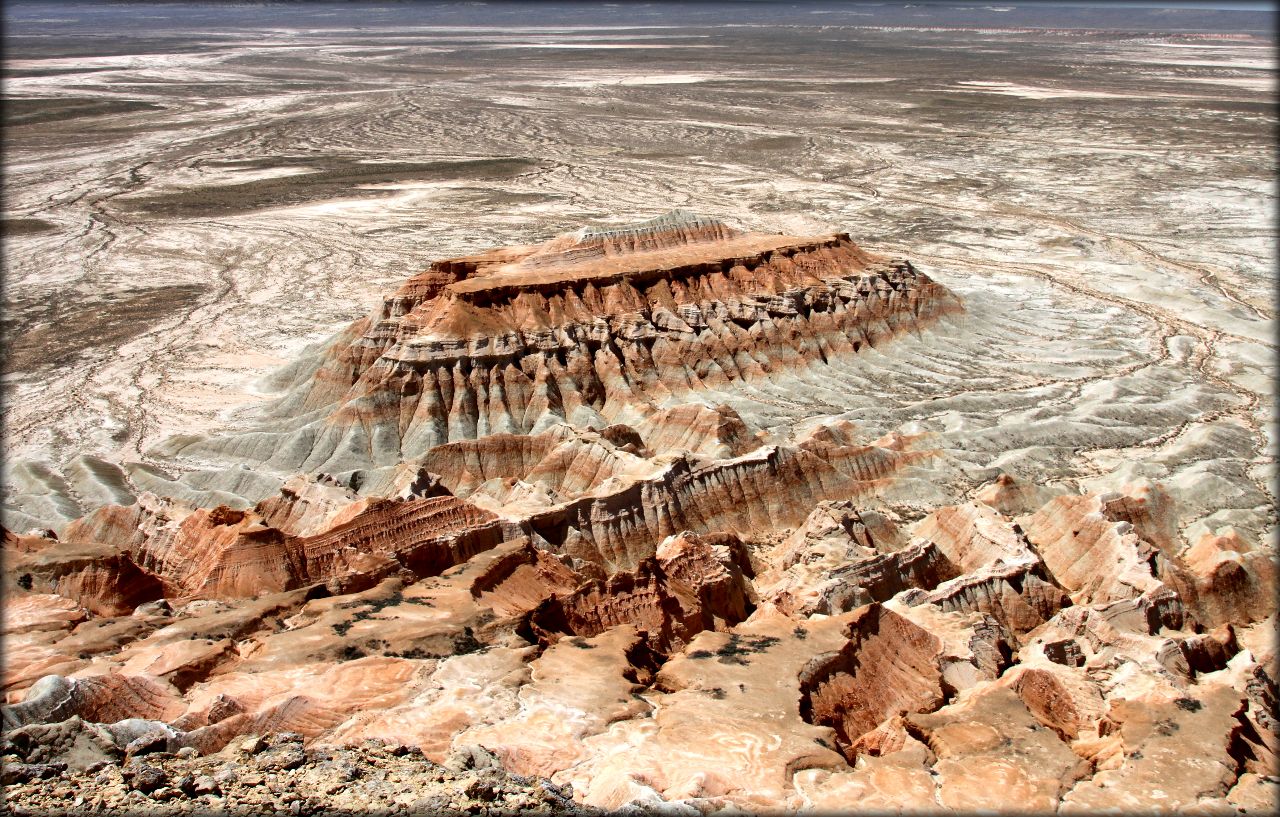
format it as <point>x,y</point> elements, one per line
<point>226,553</point>
<point>517,519</point>
<point>765,490</point>
<point>731,667</point>
<point>593,328</point>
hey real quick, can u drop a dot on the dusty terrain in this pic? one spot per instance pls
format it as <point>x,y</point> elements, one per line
<point>923,458</point>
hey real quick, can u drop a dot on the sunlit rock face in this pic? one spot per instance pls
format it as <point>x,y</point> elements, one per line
<point>593,328</point>
<point>513,525</point>
<point>923,461</point>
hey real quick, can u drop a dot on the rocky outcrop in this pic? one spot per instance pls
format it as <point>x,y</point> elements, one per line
<point>1096,558</point>
<point>696,667</point>
<point>103,699</point>
<point>103,579</point>
<point>712,431</point>
<point>272,772</point>
<point>887,667</point>
<point>221,553</point>
<point>531,515</point>
<point>993,754</point>
<point>519,339</point>
<point>726,726</point>
<point>1175,752</point>
<point>1227,581</point>
<point>690,585</point>
<point>766,490</point>
<point>576,688</point>
<point>1020,597</point>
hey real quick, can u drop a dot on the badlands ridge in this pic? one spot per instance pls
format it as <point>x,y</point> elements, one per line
<point>502,514</point>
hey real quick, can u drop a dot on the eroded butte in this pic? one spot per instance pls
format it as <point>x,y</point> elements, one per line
<point>517,509</point>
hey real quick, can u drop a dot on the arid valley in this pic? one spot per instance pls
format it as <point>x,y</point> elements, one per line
<point>679,408</point>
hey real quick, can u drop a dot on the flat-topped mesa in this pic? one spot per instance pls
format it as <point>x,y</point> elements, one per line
<point>677,229</point>
<point>592,328</point>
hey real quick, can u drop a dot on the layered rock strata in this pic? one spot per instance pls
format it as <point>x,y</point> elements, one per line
<point>518,536</point>
<point>591,329</point>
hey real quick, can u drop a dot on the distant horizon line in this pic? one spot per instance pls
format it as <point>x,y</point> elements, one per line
<point>1215,5</point>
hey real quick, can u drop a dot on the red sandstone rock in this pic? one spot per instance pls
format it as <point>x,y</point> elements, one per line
<point>518,339</point>
<point>727,725</point>
<point>993,755</point>
<point>1061,698</point>
<point>689,586</point>
<point>888,666</point>
<point>522,525</point>
<point>1096,559</point>
<point>1230,582</point>
<point>1173,753</point>
<point>227,553</point>
<point>577,687</point>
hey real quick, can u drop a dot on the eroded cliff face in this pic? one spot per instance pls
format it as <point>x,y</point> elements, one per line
<point>514,511</point>
<point>588,329</point>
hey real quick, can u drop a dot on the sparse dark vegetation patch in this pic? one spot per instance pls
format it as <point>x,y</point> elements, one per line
<point>25,226</point>
<point>466,643</point>
<point>70,326</point>
<point>37,111</point>
<point>350,653</point>
<point>737,647</point>
<point>322,180</point>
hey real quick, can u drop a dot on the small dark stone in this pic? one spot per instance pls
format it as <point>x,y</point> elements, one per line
<point>253,744</point>
<point>26,772</point>
<point>224,707</point>
<point>145,778</point>
<point>283,757</point>
<point>557,794</point>
<point>433,804</point>
<point>1065,652</point>
<point>480,789</point>
<point>226,776</point>
<point>469,757</point>
<point>345,770</point>
<point>96,766</point>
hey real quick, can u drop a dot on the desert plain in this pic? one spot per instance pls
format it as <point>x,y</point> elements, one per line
<point>873,409</point>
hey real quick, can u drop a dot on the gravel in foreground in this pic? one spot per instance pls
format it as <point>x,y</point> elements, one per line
<point>278,775</point>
